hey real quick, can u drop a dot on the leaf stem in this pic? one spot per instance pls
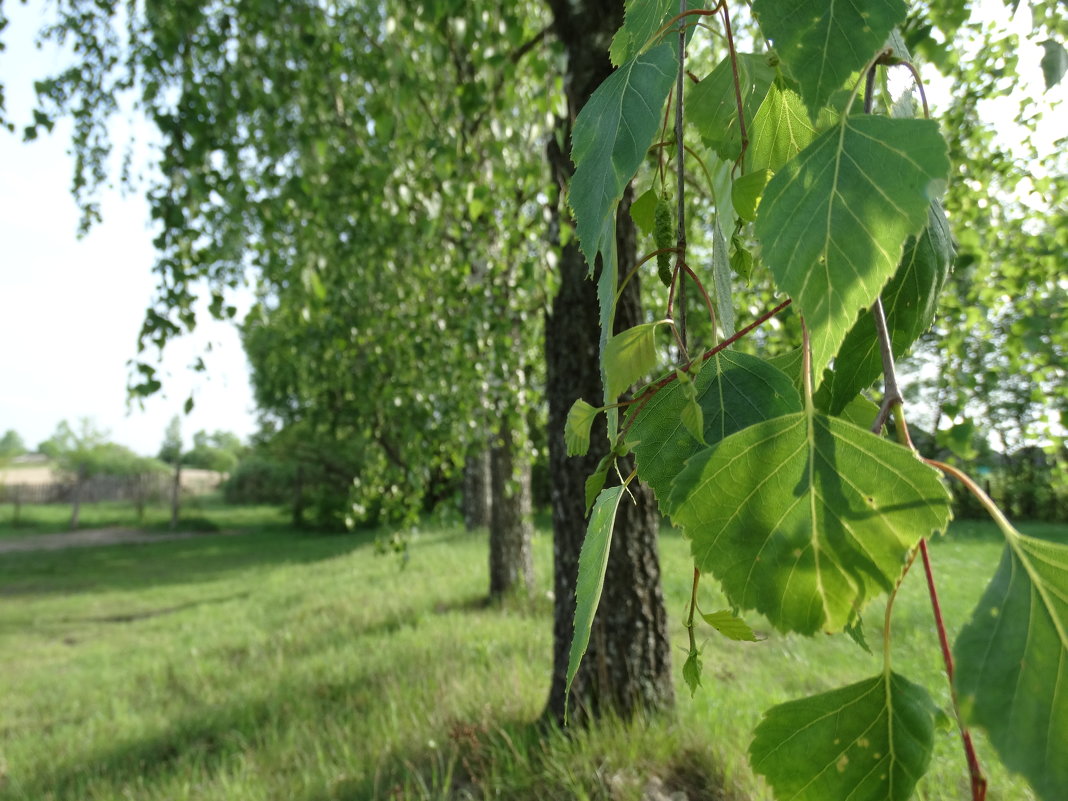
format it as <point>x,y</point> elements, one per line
<point>680,171</point>
<point>693,608</point>
<point>740,164</point>
<point>919,85</point>
<point>975,772</point>
<point>695,12</point>
<point>634,269</point>
<point>889,610</point>
<point>704,294</point>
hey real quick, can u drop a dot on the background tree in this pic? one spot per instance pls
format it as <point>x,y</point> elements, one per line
<point>11,445</point>
<point>83,453</point>
<point>172,452</point>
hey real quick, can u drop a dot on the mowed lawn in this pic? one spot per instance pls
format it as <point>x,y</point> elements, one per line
<point>280,665</point>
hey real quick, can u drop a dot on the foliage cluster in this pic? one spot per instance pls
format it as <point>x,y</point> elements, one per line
<point>775,466</point>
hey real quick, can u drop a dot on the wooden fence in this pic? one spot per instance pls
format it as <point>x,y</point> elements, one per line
<point>149,488</point>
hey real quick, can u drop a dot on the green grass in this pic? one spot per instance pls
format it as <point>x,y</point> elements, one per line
<point>199,513</point>
<point>277,665</point>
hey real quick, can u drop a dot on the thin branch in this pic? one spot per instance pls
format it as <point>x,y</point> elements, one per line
<point>653,388</point>
<point>680,169</point>
<point>704,294</point>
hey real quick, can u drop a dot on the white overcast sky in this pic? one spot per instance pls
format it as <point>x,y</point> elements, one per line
<point>70,309</point>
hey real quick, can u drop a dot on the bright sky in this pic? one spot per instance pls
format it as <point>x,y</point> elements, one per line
<point>70,309</point>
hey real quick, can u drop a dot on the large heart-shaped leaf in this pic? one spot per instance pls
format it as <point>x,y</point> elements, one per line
<point>822,43</point>
<point>870,741</point>
<point>834,220</point>
<point>909,300</point>
<point>806,517</point>
<point>1012,662</point>
<point>733,389</point>
<point>612,134</point>
<point>781,129</point>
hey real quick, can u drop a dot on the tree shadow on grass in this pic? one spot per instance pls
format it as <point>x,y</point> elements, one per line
<point>143,565</point>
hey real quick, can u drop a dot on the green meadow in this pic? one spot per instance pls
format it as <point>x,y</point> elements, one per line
<point>275,664</point>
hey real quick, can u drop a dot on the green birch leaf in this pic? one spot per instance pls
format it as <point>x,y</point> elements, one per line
<point>641,19</point>
<point>1054,63</point>
<point>870,741</point>
<point>909,301</point>
<point>747,191</point>
<point>712,106</point>
<point>595,480</point>
<point>612,134</point>
<point>735,390</point>
<point>806,518</point>
<point>593,560</point>
<point>628,356</point>
<point>834,220</point>
<point>577,428</point>
<point>860,411</point>
<point>643,211</point>
<point>730,625</point>
<point>691,671</point>
<point>781,129</point>
<point>855,630</point>
<point>1012,662</point>
<point>822,43</point>
<point>741,260</point>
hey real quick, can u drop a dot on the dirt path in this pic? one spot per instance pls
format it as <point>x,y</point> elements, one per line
<point>91,537</point>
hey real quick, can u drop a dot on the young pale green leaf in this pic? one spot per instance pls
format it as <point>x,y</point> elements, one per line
<point>593,560</point>
<point>781,129</point>
<point>834,220</point>
<point>628,356</point>
<point>741,260</point>
<point>577,428</point>
<point>855,631</point>
<point>721,272</point>
<point>641,19</point>
<point>730,625</point>
<point>734,390</point>
<point>595,480</point>
<point>712,105</point>
<point>1012,662</point>
<point>747,191</point>
<point>643,211</point>
<point>909,301</point>
<point>612,134</point>
<point>693,419</point>
<point>806,518</point>
<point>823,43</point>
<point>870,741</point>
<point>691,671</point>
